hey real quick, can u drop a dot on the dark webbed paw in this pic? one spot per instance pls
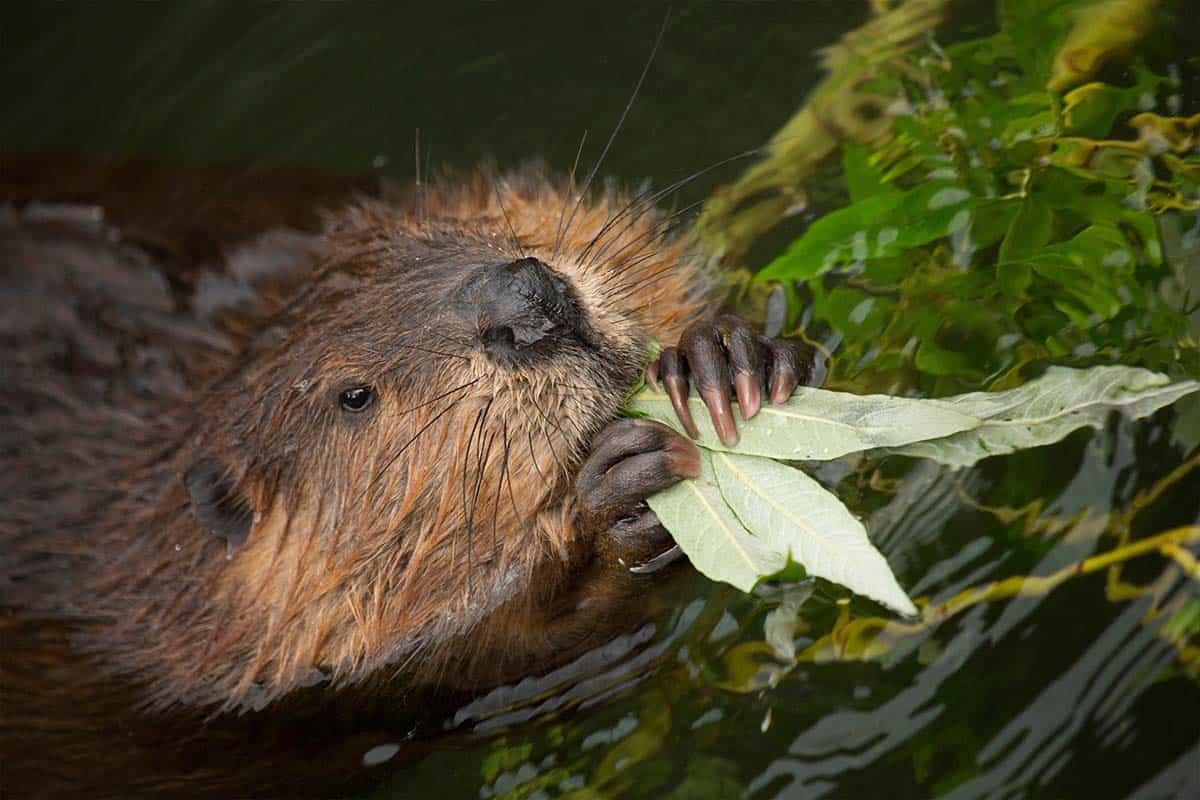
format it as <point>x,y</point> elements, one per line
<point>727,358</point>
<point>632,459</point>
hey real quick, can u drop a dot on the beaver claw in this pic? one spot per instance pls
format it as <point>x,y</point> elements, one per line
<point>632,459</point>
<point>722,354</point>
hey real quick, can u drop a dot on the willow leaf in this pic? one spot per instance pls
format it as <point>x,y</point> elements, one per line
<point>795,516</point>
<point>817,424</point>
<point>704,527</point>
<point>1046,409</point>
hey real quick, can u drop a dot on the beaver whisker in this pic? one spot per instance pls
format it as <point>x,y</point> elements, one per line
<point>469,506</point>
<point>475,426</point>
<point>685,253</point>
<point>644,276</point>
<point>658,229</point>
<point>580,435</point>
<point>553,422</point>
<point>637,266</point>
<point>513,238</point>
<point>649,282</point>
<point>651,274</point>
<point>609,224</point>
<point>554,455</point>
<point>429,350</point>
<point>480,462</point>
<point>496,504</point>
<point>593,390</point>
<point>461,342</point>
<point>587,184</point>
<point>392,460</point>
<point>481,458</point>
<point>648,200</point>
<point>385,349</point>
<point>572,391</point>
<point>570,184</point>
<point>533,460</point>
<point>500,486</point>
<point>506,477</point>
<point>418,186</point>
<point>446,393</point>
<point>656,232</point>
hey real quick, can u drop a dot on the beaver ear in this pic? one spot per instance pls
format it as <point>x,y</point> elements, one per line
<point>217,503</point>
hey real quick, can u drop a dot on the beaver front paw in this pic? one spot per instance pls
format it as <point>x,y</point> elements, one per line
<point>632,459</point>
<point>722,354</point>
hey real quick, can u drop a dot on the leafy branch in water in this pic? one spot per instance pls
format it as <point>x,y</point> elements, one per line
<point>747,515</point>
<point>997,223</point>
<point>993,224</point>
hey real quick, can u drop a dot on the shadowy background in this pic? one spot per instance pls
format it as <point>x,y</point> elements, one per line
<point>343,87</point>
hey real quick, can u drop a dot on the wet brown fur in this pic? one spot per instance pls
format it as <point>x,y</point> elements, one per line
<point>431,540</point>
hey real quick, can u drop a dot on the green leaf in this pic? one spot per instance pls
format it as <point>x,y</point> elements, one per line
<point>993,220</point>
<point>933,359</point>
<point>863,179</point>
<point>853,311</point>
<point>1029,232</point>
<point>796,516</point>
<point>1092,109</point>
<point>818,424</point>
<point>1092,267</point>
<point>704,527</point>
<point>878,227</point>
<point>1048,408</point>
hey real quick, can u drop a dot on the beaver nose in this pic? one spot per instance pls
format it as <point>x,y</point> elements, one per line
<point>520,303</point>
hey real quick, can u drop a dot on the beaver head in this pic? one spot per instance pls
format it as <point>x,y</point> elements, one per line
<point>390,458</point>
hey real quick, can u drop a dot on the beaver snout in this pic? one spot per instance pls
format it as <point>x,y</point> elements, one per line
<point>520,304</point>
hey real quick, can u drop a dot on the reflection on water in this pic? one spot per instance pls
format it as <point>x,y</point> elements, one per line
<point>1083,684</point>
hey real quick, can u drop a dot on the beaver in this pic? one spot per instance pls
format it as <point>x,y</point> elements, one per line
<point>376,450</point>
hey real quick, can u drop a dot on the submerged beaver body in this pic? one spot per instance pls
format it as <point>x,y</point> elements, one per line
<point>358,461</point>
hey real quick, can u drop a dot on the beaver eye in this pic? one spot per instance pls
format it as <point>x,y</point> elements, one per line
<point>357,399</point>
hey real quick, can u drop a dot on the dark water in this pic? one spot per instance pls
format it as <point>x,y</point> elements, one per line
<point>345,88</point>
<point>1081,690</point>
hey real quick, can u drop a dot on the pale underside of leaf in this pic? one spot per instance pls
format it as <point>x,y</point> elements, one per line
<point>1047,409</point>
<point>699,519</point>
<point>791,513</point>
<point>817,424</point>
